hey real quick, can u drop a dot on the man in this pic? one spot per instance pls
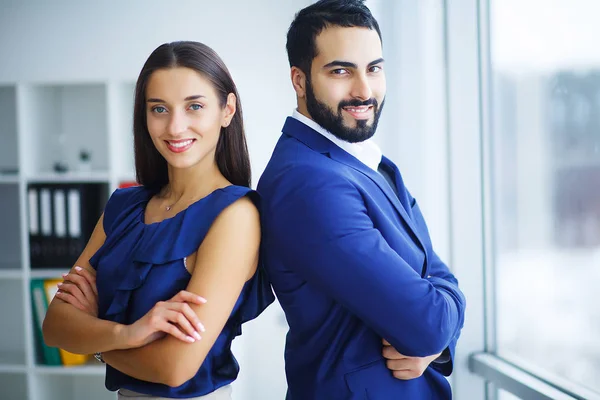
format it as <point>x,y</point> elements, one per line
<point>373,312</point>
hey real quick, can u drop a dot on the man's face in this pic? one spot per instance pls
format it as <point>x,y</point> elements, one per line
<point>345,92</point>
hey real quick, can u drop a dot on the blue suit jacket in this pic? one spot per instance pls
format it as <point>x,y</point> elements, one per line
<point>351,263</point>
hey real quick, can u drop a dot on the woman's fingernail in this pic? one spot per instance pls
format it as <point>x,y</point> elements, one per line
<point>197,336</point>
<point>202,329</point>
<point>59,284</point>
<point>77,269</point>
<point>190,339</point>
<point>65,275</point>
<point>201,299</point>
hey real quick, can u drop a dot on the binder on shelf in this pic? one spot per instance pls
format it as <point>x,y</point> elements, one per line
<point>62,217</point>
<point>126,184</point>
<point>46,238</point>
<point>35,245</point>
<point>68,359</point>
<point>59,210</point>
<point>86,203</point>
<point>46,355</point>
<point>75,239</point>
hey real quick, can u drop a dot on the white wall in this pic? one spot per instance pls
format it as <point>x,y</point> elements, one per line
<point>97,41</point>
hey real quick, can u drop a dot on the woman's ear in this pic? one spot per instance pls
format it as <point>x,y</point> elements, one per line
<point>230,109</point>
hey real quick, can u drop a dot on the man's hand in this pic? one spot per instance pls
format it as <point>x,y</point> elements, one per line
<point>404,367</point>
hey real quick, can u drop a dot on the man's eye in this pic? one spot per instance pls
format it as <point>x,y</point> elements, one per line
<point>339,71</point>
<point>375,68</point>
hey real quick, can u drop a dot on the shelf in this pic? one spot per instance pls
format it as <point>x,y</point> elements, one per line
<point>13,385</point>
<point>12,361</point>
<point>68,119</point>
<point>42,124</point>
<point>45,125</point>
<point>9,152</point>
<point>9,179</point>
<point>75,177</point>
<point>120,119</point>
<point>16,369</point>
<point>12,345</point>
<point>71,386</point>
<point>50,273</point>
<point>88,369</point>
<point>10,273</point>
<point>10,234</point>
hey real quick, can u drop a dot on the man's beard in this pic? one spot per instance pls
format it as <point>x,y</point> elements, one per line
<point>334,123</point>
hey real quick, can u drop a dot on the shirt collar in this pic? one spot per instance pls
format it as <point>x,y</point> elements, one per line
<point>367,152</point>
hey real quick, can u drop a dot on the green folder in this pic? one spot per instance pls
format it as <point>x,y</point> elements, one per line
<point>39,304</point>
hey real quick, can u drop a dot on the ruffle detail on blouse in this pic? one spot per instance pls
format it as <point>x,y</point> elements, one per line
<point>169,240</point>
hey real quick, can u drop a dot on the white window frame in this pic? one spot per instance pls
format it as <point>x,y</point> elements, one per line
<point>478,371</point>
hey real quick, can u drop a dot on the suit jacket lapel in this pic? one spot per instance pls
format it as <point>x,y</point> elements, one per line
<point>402,191</point>
<point>320,143</point>
<point>342,156</point>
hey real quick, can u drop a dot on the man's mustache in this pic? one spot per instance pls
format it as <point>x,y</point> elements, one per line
<point>357,103</point>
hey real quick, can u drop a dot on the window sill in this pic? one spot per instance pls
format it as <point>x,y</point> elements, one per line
<point>521,383</point>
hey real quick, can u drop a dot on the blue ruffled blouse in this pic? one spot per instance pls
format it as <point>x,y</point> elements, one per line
<point>140,264</point>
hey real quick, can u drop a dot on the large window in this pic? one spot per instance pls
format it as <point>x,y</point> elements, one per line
<point>545,141</point>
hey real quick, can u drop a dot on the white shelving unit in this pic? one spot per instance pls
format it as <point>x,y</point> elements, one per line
<point>41,124</point>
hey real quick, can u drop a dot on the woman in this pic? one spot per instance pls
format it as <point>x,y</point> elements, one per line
<point>191,229</point>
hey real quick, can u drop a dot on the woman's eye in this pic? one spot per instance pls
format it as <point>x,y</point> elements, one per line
<point>195,107</point>
<point>159,109</point>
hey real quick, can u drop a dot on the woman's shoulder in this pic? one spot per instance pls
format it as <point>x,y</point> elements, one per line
<point>236,192</point>
<point>121,202</point>
<point>227,197</point>
<point>230,197</point>
<point>125,198</point>
<point>125,195</point>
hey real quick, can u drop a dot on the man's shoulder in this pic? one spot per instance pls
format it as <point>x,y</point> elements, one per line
<point>294,149</point>
<point>300,167</point>
<point>291,155</point>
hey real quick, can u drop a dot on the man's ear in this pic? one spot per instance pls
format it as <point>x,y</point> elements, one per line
<point>298,81</point>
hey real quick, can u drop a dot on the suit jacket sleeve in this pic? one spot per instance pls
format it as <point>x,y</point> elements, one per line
<point>319,224</point>
<point>439,272</point>
<point>440,275</point>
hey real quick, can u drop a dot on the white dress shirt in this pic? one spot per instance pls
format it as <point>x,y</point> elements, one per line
<point>367,152</point>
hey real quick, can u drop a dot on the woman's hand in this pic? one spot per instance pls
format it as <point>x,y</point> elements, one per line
<point>79,290</point>
<point>174,317</point>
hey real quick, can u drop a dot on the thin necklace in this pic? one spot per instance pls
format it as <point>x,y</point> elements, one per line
<point>168,207</point>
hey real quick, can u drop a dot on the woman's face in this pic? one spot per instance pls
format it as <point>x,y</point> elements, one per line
<point>184,116</point>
